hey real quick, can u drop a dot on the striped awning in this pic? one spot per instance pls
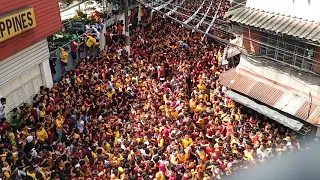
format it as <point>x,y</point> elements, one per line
<point>272,95</point>
<point>277,23</point>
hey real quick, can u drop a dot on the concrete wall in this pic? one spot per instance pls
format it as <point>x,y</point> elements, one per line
<point>305,9</point>
<point>301,81</point>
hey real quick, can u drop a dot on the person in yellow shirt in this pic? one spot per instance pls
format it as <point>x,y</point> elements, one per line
<point>6,170</point>
<point>42,112</point>
<point>182,156</point>
<point>91,41</point>
<point>31,172</point>
<point>192,105</point>
<point>187,141</point>
<point>160,176</point>
<point>160,141</point>
<point>110,93</point>
<point>200,108</point>
<point>118,83</point>
<point>59,126</point>
<point>41,133</point>
<point>201,86</point>
<point>205,97</point>
<point>202,154</point>
<point>174,113</point>
<point>64,58</point>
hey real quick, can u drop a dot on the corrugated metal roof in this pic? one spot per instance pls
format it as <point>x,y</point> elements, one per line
<point>315,116</point>
<point>275,22</point>
<point>304,114</point>
<point>287,102</point>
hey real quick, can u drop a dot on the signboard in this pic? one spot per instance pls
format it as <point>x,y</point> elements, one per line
<point>77,26</point>
<point>16,23</point>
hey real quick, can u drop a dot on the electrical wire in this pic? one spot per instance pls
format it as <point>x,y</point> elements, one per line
<point>224,42</point>
<point>259,42</point>
<point>259,35</point>
<point>193,28</point>
<point>208,9</point>
<point>214,17</point>
<point>181,7</point>
<point>195,13</point>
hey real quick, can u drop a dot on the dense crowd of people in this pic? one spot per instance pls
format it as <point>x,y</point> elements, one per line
<point>158,113</point>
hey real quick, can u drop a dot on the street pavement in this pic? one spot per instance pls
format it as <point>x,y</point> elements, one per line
<point>71,12</point>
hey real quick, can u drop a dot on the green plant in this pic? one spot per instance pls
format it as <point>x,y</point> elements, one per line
<point>66,37</point>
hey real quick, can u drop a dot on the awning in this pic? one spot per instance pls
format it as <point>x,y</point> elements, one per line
<point>262,109</point>
<point>272,95</point>
<point>275,22</point>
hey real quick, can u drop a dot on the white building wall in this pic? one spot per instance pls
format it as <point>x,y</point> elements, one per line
<point>301,81</point>
<point>305,9</point>
<point>22,74</point>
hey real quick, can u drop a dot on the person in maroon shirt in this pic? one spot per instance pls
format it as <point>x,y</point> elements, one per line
<point>74,49</point>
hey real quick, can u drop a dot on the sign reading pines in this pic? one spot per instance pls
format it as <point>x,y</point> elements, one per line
<point>16,23</point>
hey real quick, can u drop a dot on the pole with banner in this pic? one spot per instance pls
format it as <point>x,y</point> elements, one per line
<point>126,19</point>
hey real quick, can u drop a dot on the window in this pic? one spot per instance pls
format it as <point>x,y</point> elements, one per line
<point>288,58</point>
<point>263,50</point>
<point>271,50</point>
<point>280,53</point>
<point>288,50</point>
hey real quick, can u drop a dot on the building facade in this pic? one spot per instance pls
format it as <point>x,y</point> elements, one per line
<point>24,54</point>
<point>280,60</point>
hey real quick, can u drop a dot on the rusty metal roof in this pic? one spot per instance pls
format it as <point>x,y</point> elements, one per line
<point>287,102</point>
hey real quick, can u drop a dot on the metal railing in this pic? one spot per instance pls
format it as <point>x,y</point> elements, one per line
<point>71,65</point>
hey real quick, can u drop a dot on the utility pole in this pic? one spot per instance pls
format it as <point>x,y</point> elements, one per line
<point>126,24</point>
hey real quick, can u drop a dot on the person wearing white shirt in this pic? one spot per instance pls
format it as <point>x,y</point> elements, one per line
<point>262,153</point>
<point>88,27</point>
<point>2,112</point>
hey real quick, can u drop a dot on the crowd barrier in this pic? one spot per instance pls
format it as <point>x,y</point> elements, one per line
<point>56,53</point>
<point>71,65</point>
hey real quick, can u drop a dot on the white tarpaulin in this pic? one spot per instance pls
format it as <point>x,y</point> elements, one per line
<point>275,115</point>
<point>233,51</point>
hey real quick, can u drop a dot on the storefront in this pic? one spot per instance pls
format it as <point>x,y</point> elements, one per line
<point>24,54</point>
